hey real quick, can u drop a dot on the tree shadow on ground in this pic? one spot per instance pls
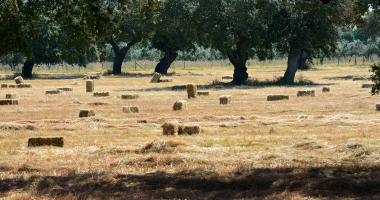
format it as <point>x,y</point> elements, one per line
<point>340,77</point>
<point>329,182</point>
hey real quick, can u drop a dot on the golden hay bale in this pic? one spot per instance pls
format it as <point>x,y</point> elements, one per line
<point>24,85</point>
<point>180,104</point>
<point>203,93</point>
<point>156,77</point>
<point>90,86</point>
<point>225,99</point>
<point>227,77</point>
<point>93,77</point>
<point>189,130</point>
<point>8,102</point>
<point>66,89</point>
<point>306,93</point>
<point>19,80</point>
<point>12,85</point>
<point>50,141</point>
<point>11,95</point>
<point>130,96</point>
<point>378,106</point>
<point>86,113</point>
<point>52,91</point>
<point>101,94</point>
<point>191,90</point>
<point>169,128</point>
<point>326,89</point>
<point>165,80</point>
<point>4,85</point>
<point>130,109</point>
<point>368,85</point>
<point>277,97</point>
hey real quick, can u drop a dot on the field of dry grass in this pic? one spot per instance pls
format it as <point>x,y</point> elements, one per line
<point>322,147</point>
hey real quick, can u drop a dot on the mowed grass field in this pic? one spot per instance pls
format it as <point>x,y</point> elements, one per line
<point>322,147</point>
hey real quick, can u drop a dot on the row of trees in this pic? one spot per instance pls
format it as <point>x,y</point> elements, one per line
<point>234,29</point>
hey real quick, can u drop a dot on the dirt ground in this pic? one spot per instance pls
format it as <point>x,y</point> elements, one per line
<point>322,147</point>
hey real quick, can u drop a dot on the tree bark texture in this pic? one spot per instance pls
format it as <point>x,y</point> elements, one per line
<point>120,54</point>
<point>290,73</point>
<point>240,71</point>
<point>302,60</point>
<point>164,64</point>
<point>28,68</point>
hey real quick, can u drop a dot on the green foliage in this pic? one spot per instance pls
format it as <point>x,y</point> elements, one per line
<point>12,60</point>
<point>375,69</point>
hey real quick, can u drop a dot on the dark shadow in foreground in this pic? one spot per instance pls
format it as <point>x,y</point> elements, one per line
<point>330,182</point>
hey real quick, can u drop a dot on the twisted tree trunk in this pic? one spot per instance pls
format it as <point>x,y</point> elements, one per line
<point>240,71</point>
<point>164,64</point>
<point>120,54</point>
<point>293,58</point>
<point>27,68</point>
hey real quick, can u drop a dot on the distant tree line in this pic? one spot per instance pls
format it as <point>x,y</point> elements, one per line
<point>57,31</point>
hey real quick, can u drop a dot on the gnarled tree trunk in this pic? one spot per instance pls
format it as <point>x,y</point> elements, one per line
<point>302,60</point>
<point>293,58</point>
<point>120,54</point>
<point>28,68</point>
<point>240,71</point>
<point>164,64</point>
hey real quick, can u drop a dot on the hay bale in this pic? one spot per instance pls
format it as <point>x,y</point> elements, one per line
<point>50,141</point>
<point>169,128</point>
<point>93,77</point>
<point>130,109</point>
<point>90,86</point>
<point>101,94</point>
<point>189,130</point>
<point>130,96</point>
<point>86,113</point>
<point>326,89</point>
<point>203,93</point>
<point>19,80</point>
<point>156,77</point>
<point>227,77</point>
<point>8,102</point>
<point>4,85</point>
<point>368,85</point>
<point>165,80</point>
<point>191,90</point>
<point>179,87</point>
<point>378,106</point>
<point>52,91</point>
<point>24,85</point>
<point>180,104</point>
<point>277,97</point>
<point>225,99</point>
<point>12,96</point>
<point>66,89</point>
<point>12,85</point>
<point>306,93</point>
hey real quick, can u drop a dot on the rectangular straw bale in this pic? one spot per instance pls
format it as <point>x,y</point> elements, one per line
<point>378,106</point>
<point>90,86</point>
<point>189,130</point>
<point>227,77</point>
<point>191,90</point>
<point>326,89</point>
<point>203,93</point>
<point>52,91</point>
<point>130,109</point>
<point>11,95</point>
<point>4,85</point>
<point>93,77</point>
<point>101,94</point>
<point>277,97</point>
<point>368,85</point>
<point>50,141</point>
<point>12,85</point>
<point>180,104</point>
<point>19,80</point>
<point>165,80</point>
<point>306,93</point>
<point>8,102</point>
<point>130,96</point>
<point>66,89</point>
<point>156,77</point>
<point>169,128</point>
<point>24,85</point>
<point>225,99</point>
<point>86,113</point>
